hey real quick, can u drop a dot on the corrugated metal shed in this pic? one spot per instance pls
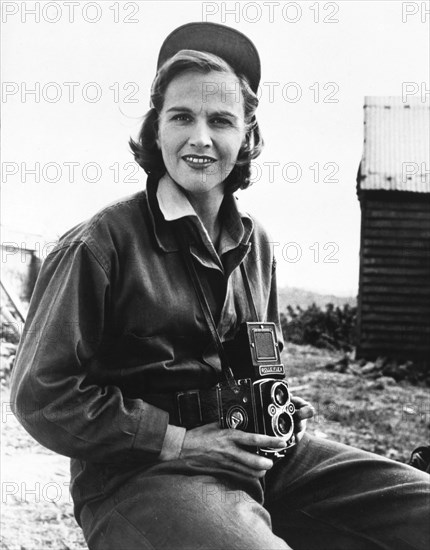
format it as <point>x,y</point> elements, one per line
<point>394,282</point>
<point>396,153</point>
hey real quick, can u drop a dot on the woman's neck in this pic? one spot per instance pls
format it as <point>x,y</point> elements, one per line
<point>207,207</point>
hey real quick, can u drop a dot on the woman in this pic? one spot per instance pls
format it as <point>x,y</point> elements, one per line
<point>115,329</point>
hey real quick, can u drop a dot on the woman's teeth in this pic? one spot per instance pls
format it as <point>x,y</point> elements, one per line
<point>199,160</point>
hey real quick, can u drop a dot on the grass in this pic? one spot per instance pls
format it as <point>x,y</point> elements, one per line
<point>378,415</point>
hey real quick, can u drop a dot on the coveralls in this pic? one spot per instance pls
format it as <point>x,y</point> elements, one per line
<point>114,316</point>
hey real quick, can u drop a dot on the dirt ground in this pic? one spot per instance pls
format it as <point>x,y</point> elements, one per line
<point>36,508</point>
<point>378,415</point>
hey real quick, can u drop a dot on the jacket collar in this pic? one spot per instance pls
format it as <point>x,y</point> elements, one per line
<point>172,201</point>
<point>168,204</point>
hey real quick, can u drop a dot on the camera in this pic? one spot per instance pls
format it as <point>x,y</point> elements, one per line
<point>262,406</point>
<point>261,402</point>
<point>258,400</point>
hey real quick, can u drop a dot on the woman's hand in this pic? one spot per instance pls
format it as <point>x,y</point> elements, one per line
<point>234,448</point>
<point>230,448</point>
<point>304,410</point>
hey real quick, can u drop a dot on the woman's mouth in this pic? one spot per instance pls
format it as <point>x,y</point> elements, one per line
<point>198,161</point>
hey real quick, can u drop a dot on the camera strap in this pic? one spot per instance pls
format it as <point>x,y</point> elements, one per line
<point>210,322</point>
<point>248,293</point>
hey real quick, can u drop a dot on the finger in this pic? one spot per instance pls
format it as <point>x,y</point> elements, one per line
<point>250,459</point>
<point>243,460</point>
<point>229,462</point>
<point>249,472</point>
<point>211,427</point>
<point>300,426</point>
<point>256,440</point>
<point>299,401</point>
<point>307,411</point>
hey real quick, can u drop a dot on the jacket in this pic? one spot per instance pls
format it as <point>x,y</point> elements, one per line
<point>114,315</point>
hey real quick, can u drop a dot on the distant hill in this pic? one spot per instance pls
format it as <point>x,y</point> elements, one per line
<point>299,297</point>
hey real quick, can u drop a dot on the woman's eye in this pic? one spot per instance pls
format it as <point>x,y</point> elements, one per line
<point>219,121</point>
<point>181,117</point>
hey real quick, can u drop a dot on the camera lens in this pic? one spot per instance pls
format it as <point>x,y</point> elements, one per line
<point>284,424</point>
<point>280,394</point>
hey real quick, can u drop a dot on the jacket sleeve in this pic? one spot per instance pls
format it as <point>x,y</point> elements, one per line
<point>50,391</point>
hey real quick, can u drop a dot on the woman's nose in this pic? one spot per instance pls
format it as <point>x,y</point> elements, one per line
<point>200,135</point>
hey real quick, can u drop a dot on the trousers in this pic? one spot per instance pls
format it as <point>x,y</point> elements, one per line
<point>323,495</point>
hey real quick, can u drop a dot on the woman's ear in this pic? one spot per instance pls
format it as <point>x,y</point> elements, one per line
<point>155,129</point>
<point>245,142</point>
<point>157,137</point>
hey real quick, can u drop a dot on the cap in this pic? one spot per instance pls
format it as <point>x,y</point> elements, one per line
<point>225,42</point>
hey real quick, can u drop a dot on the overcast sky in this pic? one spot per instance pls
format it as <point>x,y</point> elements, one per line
<point>90,67</point>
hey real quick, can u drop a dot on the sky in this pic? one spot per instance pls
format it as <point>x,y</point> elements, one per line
<point>75,85</point>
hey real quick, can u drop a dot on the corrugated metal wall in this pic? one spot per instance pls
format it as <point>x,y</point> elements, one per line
<point>394,294</point>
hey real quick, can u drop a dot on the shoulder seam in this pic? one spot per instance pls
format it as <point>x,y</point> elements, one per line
<point>76,243</point>
<point>96,258</point>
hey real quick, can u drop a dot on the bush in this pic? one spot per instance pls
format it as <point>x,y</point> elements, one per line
<point>332,328</point>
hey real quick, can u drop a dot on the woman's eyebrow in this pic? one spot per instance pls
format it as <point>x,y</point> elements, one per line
<point>224,113</point>
<point>178,108</point>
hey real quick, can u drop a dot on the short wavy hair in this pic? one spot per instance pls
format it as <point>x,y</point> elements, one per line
<point>145,149</point>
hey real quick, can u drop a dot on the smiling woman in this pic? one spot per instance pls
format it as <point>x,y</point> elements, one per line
<point>133,360</point>
<point>200,138</point>
<point>240,98</point>
<point>203,124</point>
<point>201,130</point>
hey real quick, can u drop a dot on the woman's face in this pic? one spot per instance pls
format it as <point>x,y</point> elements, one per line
<point>201,129</point>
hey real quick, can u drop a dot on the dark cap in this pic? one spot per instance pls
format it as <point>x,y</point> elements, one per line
<point>225,42</point>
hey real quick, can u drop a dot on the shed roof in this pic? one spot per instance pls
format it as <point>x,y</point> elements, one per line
<point>396,145</point>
